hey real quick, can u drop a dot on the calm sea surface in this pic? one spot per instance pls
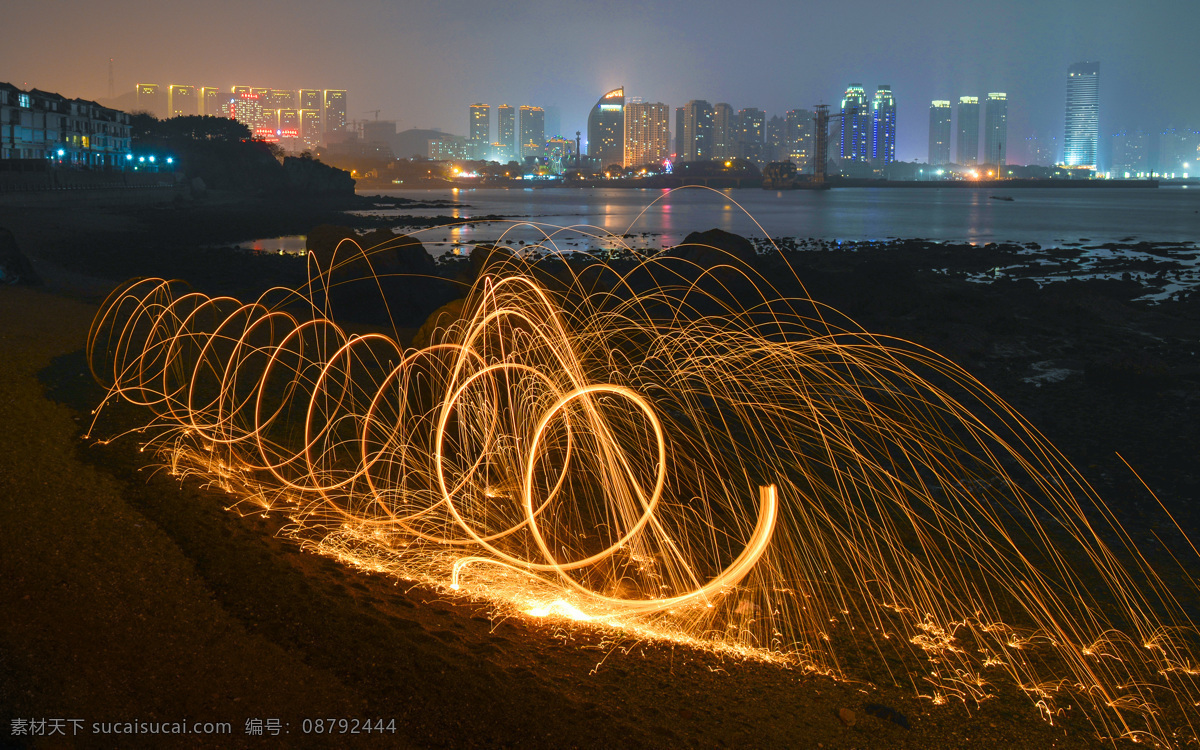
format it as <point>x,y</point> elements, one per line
<point>1050,216</point>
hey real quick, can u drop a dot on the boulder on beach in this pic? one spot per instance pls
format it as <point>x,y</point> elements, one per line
<point>15,268</point>
<point>714,247</point>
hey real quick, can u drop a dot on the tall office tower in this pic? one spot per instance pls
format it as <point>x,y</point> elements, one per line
<point>751,132</point>
<point>855,139</point>
<point>1081,132</point>
<point>995,130</point>
<point>335,114</point>
<point>1041,150</point>
<point>968,131</point>
<point>606,129</point>
<point>776,139</point>
<point>724,131</point>
<point>282,98</point>
<point>680,146</point>
<point>181,101</point>
<point>883,126</point>
<point>533,131</point>
<point>310,99</point>
<point>506,130</point>
<point>647,133</point>
<point>239,90</point>
<point>310,127</point>
<point>211,103</point>
<point>248,110</point>
<point>939,132</point>
<point>152,98</point>
<point>694,132</point>
<point>798,134</point>
<point>479,131</point>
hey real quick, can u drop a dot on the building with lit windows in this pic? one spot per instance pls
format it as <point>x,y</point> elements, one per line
<point>151,98</point>
<point>995,129</point>
<point>335,115</point>
<point>248,110</point>
<point>506,130</point>
<point>798,127</point>
<point>883,126</point>
<point>533,130</point>
<point>968,131</point>
<point>606,129</point>
<point>694,132</point>
<point>447,148</point>
<point>647,133</point>
<point>854,140</point>
<point>76,133</point>
<point>939,132</point>
<point>211,102</point>
<point>310,99</point>
<point>182,101</point>
<point>724,133</point>
<point>479,131</point>
<point>1081,130</point>
<point>310,128</point>
<point>751,135</point>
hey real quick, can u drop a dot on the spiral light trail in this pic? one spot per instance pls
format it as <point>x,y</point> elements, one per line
<point>679,461</point>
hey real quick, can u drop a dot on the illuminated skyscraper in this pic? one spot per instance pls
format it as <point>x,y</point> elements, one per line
<point>939,132</point>
<point>248,110</point>
<point>606,129</point>
<point>211,102</point>
<point>181,101</point>
<point>533,131</point>
<point>310,99</point>
<point>751,134</point>
<point>1081,132</point>
<point>855,139</point>
<point>335,115</point>
<point>995,130</point>
<point>647,133</point>
<point>152,98</point>
<point>479,133</point>
<point>968,131</point>
<point>694,136</point>
<point>798,133</point>
<point>883,126</point>
<point>506,129</point>
<point>724,134</point>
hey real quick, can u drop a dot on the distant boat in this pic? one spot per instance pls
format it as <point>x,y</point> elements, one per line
<point>1001,197</point>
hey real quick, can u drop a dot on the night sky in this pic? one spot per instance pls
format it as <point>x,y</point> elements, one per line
<point>423,63</point>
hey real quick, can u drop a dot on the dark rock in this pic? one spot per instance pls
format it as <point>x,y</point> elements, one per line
<point>714,247</point>
<point>14,266</point>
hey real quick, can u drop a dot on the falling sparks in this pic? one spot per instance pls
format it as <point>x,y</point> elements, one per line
<point>676,461</point>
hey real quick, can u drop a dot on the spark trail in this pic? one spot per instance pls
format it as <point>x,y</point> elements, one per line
<point>679,452</point>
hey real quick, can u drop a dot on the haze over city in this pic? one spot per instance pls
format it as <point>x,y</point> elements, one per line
<point>421,65</point>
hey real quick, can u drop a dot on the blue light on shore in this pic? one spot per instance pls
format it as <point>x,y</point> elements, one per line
<point>61,153</point>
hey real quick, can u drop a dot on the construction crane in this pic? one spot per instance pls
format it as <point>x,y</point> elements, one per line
<point>375,111</point>
<point>821,139</point>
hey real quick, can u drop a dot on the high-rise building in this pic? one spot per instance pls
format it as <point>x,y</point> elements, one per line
<point>995,130</point>
<point>282,98</point>
<point>776,139</point>
<point>968,131</point>
<point>212,104</point>
<point>248,110</point>
<point>798,134</point>
<point>750,135</point>
<point>694,132</point>
<point>724,131</point>
<point>506,129</point>
<point>310,127</point>
<point>939,132</point>
<point>647,133</point>
<point>310,99</point>
<point>533,130</point>
<point>1130,154</point>
<point>181,101</point>
<point>606,129</point>
<point>1081,131</point>
<point>479,131</point>
<point>335,114</point>
<point>152,98</point>
<point>883,126</point>
<point>855,139</point>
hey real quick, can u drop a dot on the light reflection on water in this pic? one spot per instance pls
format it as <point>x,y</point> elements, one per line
<point>1047,216</point>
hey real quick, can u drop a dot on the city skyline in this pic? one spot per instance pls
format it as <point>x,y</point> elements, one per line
<point>419,65</point>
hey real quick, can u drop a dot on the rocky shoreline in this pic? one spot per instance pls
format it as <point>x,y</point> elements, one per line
<point>138,597</point>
